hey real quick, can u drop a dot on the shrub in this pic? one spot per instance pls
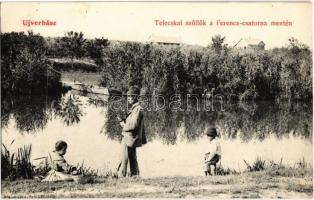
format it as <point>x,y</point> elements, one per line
<point>24,64</point>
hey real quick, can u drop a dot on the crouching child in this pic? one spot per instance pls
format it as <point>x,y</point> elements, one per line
<point>213,154</point>
<point>61,170</point>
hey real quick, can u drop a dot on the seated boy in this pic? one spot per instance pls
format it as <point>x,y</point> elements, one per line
<point>61,170</point>
<point>213,155</point>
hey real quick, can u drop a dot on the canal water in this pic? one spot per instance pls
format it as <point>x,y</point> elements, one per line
<point>176,141</point>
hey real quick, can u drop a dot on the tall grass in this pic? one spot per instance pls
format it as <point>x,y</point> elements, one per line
<point>43,168</point>
<point>299,169</point>
<point>220,170</point>
<point>24,168</point>
<point>16,165</point>
<point>7,163</point>
<point>258,165</point>
<point>86,171</point>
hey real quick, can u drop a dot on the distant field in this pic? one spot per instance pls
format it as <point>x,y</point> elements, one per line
<point>84,77</point>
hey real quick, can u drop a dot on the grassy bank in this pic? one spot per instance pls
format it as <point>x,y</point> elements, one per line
<point>67,65</point>
<point>83,77</point>
<point>246,185</point>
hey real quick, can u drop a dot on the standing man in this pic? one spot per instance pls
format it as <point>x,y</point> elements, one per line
<point>133,134</point>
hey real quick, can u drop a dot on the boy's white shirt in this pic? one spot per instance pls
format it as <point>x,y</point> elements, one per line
<point>214,147</point>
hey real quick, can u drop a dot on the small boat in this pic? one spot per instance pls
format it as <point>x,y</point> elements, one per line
<point>114,92</point>
<point>96,98</point>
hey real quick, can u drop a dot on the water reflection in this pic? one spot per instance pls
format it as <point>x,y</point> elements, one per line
<point>259,121</point>
<point>245,121</point>
<point>70,109</point>
<point>31,113</point>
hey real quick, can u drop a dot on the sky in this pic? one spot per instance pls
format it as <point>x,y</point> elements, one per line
<point>135,21</point>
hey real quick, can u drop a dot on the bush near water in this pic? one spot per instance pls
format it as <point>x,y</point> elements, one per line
<point>24,65</point>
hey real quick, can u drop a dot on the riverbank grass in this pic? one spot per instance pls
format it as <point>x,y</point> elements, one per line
<point>246,185</point>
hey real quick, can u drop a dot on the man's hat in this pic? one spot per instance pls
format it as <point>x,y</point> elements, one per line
<point>143,92</point>
<point>211,131</point>
<point>133,90</point>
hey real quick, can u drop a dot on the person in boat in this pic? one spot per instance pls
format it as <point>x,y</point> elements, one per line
<point>133,134</point>
<point>61,170</point>
<point>213,154</point>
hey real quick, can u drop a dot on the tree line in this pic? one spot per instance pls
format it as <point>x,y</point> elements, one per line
<point>244,74</point>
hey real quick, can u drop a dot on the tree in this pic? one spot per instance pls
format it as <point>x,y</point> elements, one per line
<point>217,43</point>
<point>95,49</point>
<point>295,76</point>
<point>73,43</point>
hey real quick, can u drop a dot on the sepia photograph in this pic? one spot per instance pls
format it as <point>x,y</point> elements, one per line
<point>210,100</point>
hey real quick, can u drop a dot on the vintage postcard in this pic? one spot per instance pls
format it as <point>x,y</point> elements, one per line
<point>156,100</point>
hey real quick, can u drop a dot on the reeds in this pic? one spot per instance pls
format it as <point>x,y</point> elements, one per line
<point>258,165</point>
<point>43,168</point>
<point>16,165</point>
<point>220,170</point>
<point>299,169</point>
<point>7,163</point>
<point>86,171</point>
<point>24,168</point>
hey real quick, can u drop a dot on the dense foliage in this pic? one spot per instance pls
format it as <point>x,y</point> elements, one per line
<point>281,73</point>
<point>24,65</point>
